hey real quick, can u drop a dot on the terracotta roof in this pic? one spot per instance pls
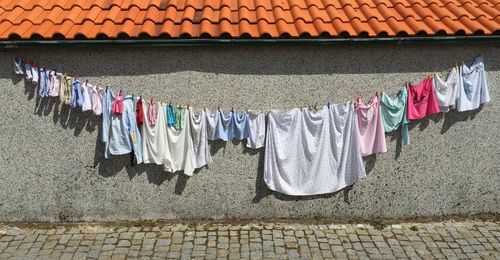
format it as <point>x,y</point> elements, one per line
<point>90,19</point>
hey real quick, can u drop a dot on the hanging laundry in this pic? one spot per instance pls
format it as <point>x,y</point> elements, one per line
<point>224,128</point>
<point>447,91</point>
<point>421,100</point>
<point>65,89</point>
<point>55,84</point>
<point>369,127</point>
<point>117,105</point>
<point>310,153</point>
<point>240,124</point>
<point>139,114</point>
<point>154,143</point>
<point>43,87</point>
<point>34,74</point>
<point>256,130</point>
<point>212,120</point>
<point>180,154</point>
<point>152,109</point>
<point>171,116</point>
<point>18,66</point>
<point>27,69</point>
<point>97,95</point>
<point>474,90</point>
<point>86,94</point>
<point>393,113</point>
<point>123,137</point>
<point>76,94</point>
<point>179,117</point>
<point>200,138</point>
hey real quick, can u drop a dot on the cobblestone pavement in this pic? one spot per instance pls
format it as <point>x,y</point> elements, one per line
<point>455,240</point>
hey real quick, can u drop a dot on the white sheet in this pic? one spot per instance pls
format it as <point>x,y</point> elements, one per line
<point>310,153</point>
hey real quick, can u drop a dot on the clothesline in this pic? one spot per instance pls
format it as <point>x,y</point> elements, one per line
<point>29,67</point>
<point>306,152</point>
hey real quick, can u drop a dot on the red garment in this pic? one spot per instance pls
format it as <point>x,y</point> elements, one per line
<point>117,105</point>
<point>139,116</point>
<point>421,100</point>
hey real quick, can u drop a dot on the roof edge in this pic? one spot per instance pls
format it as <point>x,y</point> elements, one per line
<point>202,42</point>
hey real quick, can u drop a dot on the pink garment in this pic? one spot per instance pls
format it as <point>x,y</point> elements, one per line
<point>97,94</point>
<point>152,111</point>
<point>55,79</point>
<point>369,127</point>
<point>117,105</point>
<point>422,100</point>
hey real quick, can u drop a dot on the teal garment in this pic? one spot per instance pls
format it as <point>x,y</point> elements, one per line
<point>179,116</point>
<point>170,116</point>
<point>393,113</point>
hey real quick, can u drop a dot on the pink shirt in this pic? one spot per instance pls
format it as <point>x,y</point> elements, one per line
<point>369,127</point>
<point>117,105</point>
<point>421,100</point>
<point>152,111</point>
<point>97,94</point>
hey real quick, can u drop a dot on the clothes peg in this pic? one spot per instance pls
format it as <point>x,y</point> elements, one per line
<point>232,109</point>
<point>86,82</point>
<point>218,107</point>
<point>376,93</point>
<point>328,104</point>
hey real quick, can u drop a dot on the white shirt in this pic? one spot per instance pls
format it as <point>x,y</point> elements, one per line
<point>200,138</point>
<point>475,89</point>
<point>154,143</point>
<point>256,131</point>
<point>447,91</point>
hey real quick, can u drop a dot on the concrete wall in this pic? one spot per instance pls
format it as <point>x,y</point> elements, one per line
<point>52,168</point>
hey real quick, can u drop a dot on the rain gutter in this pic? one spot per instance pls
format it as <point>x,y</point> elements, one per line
<point>206,42</point>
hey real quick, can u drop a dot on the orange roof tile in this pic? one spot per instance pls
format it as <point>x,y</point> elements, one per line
<point>70,19</point>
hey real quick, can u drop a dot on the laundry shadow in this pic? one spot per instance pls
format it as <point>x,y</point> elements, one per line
<point>453,116</point>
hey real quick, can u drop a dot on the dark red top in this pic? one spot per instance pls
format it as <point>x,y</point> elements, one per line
<point>139,115</point>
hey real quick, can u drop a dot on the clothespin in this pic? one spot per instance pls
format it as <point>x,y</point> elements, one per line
<point>86,82</point>
<point>232,109</point>
<point>218,107</point>
<point>151,100</point>
<point>376,93</point>
<point>328,104</point>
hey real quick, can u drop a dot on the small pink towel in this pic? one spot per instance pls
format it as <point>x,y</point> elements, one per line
<point>152,111</point>
<point>369,127</point>
<point>117,105</point>
<point>422,100</point>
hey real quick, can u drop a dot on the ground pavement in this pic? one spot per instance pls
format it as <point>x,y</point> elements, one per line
<point>454,240</point>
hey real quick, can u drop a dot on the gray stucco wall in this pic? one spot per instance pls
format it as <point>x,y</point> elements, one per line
<point>52,169</point>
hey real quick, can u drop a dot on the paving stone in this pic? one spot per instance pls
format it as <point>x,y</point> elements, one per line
<point>455,240</point>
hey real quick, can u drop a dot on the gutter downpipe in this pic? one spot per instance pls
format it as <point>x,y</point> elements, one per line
<point>207,42</point>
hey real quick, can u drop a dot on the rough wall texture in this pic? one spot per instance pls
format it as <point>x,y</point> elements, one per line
<point>51,166</point>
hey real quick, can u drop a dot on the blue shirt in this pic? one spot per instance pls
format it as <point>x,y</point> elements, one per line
<point>120,132</point>
<point>224,129</point>
<point>43,90</point>
<point>240,125</point>
<point>76,94</point>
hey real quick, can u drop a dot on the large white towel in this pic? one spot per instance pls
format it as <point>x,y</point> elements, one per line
<point>310,153</point>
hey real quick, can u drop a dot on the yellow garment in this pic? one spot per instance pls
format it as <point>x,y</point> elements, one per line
<point>65,90</point>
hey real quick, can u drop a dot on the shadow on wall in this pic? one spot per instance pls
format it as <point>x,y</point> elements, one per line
<point>79,121</point>
<point>263,60</point>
